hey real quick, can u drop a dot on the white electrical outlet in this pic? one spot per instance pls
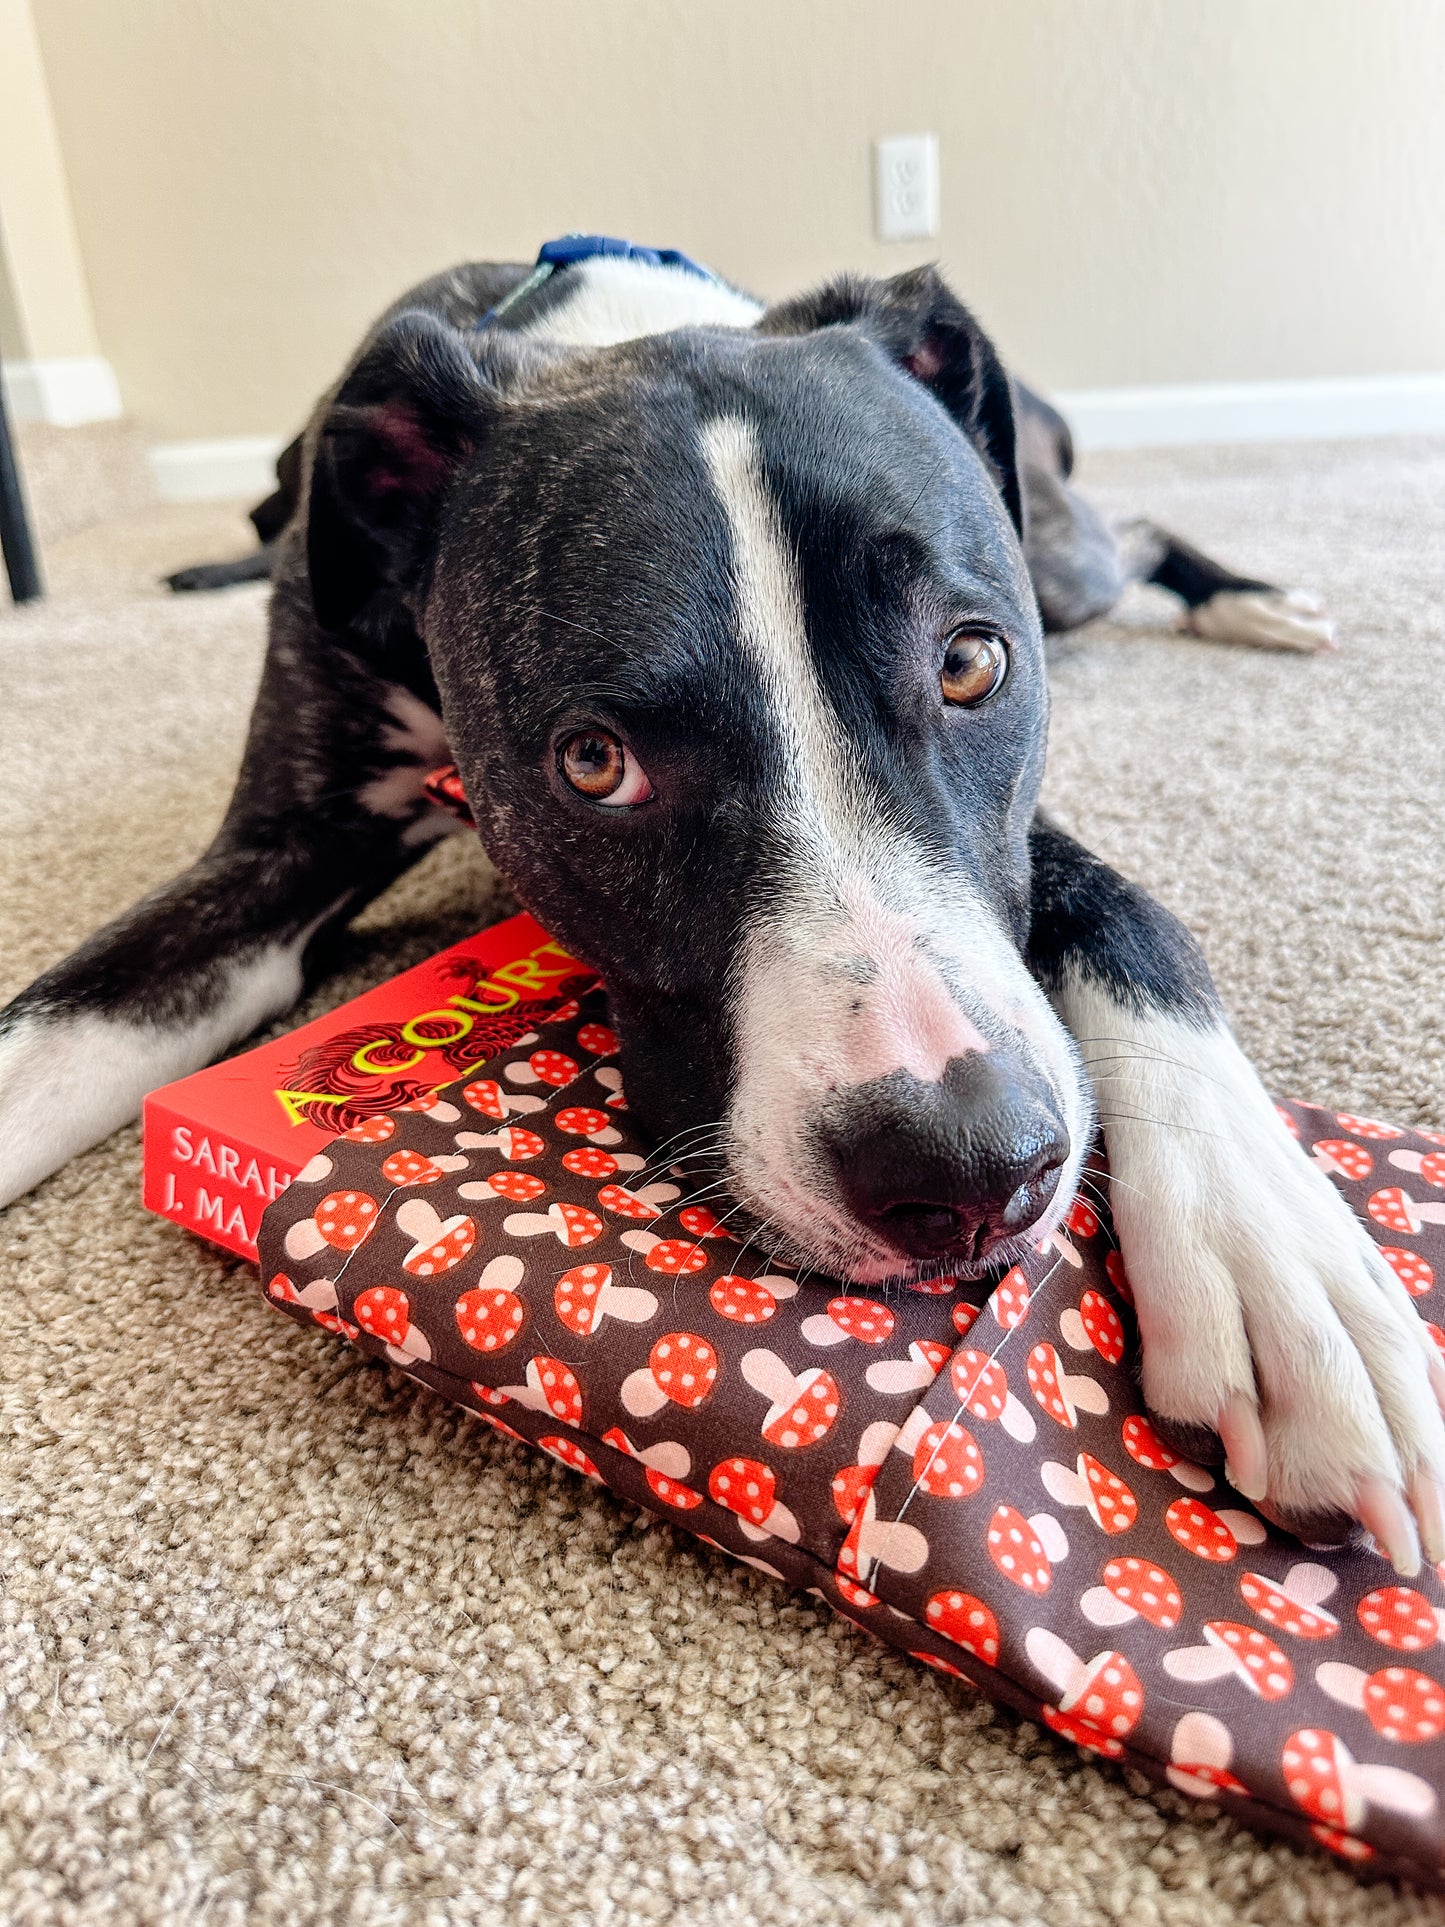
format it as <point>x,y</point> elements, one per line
<point>905,173</point>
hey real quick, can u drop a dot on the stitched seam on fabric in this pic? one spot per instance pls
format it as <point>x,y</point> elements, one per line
<point>957,1417</point>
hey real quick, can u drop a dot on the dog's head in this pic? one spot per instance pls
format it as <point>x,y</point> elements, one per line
<point>742,669</point>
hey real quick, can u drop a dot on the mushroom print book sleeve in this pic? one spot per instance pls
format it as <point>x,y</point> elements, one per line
<point>966,1472</point>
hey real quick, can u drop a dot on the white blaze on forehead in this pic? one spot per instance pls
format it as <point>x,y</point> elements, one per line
<point>862,884</point>
<point>874,958</point>
<point>768,611</point>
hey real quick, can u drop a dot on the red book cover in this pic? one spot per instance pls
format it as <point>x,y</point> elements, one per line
<point>220,1145</point>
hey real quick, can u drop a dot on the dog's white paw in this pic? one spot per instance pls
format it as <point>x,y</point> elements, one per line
<point>1265,1311</point>
<point>1264,619</point>
<point>66,1081</point>
<point>69,1077</point>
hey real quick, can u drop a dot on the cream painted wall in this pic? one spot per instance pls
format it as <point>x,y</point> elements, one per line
<point>1133,190</point>
<point>44,304</point>
<point>12,335</point>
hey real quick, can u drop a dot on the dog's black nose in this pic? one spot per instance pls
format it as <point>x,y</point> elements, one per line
<point>947,1170</point>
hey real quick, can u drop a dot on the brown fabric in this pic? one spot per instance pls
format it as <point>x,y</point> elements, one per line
<point>974,1482</point>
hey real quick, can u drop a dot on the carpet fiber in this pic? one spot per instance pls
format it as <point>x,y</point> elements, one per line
<point>283,1638</point>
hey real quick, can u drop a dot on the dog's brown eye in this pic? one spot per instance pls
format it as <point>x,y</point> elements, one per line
<point>974,666</point>
<point>600,768</point>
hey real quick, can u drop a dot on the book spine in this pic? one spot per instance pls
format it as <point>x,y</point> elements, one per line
<point>216,1186</point>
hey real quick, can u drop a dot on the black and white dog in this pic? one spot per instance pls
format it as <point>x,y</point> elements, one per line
<point>730,617</point>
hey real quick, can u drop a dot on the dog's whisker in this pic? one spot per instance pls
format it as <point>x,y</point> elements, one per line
<point>1140,1061</point>
<point>708,1127</point>
<point>1101,1195</point>
<point>758,1233</point>
<point>667,1152</point>
<point>723,1224</point>
<point>924,489</point>
<point>1137,1050</point>
<point>567,622</point>
<point>1161,1085</point>
<point>717,1175</point>
<point>1122,1080</point>
<point>1163,1124</point>
<point>1119,1066</point>
<point>697,1197</point>
<point>701,1147</point>
<point>688,1131</point>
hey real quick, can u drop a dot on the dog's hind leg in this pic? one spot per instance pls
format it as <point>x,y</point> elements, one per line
<point>269,518</point>
<point>258,566</point>
<point>1220,605</point>
<point>328,809</point>
<point>1080,566</point>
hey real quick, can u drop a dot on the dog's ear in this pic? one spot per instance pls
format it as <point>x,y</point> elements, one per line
<point>411,411</point>
<point>918,320</point>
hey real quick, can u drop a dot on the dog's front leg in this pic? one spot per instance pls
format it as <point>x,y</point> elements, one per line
<point>1265,1311</point>
<point>328,809</point>
<point>157,993</point>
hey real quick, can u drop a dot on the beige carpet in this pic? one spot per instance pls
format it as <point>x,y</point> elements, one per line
<point>282,1639</point>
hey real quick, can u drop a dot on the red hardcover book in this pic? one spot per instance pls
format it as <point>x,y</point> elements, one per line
<point>220,1145</point>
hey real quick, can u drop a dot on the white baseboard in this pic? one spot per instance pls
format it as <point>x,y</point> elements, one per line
<point>1255,411</point>
<point>218,471</point>
<point>1154,417</point>
<point>64,390</point>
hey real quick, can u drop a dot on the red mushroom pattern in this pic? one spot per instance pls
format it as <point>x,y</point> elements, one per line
<point>888,1450</point>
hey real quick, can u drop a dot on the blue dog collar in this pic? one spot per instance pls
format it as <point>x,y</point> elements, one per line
<point>573,248</point>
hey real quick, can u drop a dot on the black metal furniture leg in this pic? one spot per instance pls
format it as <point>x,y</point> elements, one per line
<point>21,564</point>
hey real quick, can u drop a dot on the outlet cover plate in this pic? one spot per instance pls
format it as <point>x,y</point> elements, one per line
<point>905,180</point>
